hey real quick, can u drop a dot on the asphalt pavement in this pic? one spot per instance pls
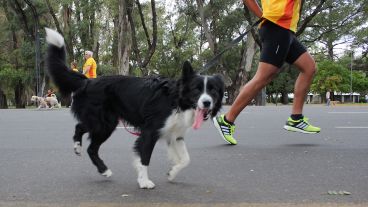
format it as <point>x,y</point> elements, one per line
<point>268,167</point>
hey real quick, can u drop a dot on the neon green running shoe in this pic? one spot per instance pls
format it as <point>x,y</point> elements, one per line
<point>301,125</point>
<point>226,130</point>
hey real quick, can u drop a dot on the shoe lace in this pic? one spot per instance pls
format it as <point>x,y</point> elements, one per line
<point>306,120</point>
<point>229,127</point>
<point>232,129</point>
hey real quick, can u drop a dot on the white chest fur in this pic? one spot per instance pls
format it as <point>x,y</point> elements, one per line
<point>177,124</point>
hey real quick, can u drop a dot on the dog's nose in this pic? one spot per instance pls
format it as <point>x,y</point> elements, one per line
<point>206,104</point>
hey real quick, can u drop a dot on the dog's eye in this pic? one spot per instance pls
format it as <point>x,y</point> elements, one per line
<point>196,90</point>
<point>213,91</point>
<point>198,87</point>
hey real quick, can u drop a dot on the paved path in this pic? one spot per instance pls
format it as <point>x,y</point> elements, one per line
<point>269,166</point>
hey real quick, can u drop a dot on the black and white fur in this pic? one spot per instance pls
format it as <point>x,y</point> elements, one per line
<point>160,107</point>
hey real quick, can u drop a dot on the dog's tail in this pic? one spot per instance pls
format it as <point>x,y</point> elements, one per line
<point>64,78</point>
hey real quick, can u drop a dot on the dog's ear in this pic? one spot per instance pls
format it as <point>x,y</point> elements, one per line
<point>220,79</point>
<point>187,70</point>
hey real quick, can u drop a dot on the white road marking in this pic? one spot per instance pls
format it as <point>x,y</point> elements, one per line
<point>348,112</point>
<point>351,127</point>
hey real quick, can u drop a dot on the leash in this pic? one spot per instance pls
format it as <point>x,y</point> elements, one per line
<point>234,42</point>
<point>135,133</point>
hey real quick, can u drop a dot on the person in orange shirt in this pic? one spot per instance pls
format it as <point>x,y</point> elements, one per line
<point>279,45</point>
<point>90,66</point>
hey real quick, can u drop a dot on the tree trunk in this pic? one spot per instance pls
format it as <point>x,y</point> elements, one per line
<point>284,98</point>
<point>329,43</point>
<point>65,100</point>
<point>260,99</point>
<point>231,95</point>
<point>115,41</point>
<point>67,18</point>
<point>245,64</point>
<point>3,101</point>
<point>19,93</point>
<point>96,49</point>
<point>151,43</point>
<point>330,51</point>
<point>124,41</point>
<point>86,23</point>
<point>43,85</point>
<point>249,54</point>
<point>68,43</point>
<point>273,98</point>
<point>205,27</point>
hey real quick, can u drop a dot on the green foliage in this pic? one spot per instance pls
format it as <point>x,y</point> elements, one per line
<point>360,82</point>
<point>284,82</point>
<point>331,76</point>
<point>339,23</point>
<point>337,76</point>
<point>176,43</point>
<point>10,77</point>
<point>103,69</point>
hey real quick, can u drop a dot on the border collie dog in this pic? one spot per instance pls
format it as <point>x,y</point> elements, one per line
<point>161,108</point>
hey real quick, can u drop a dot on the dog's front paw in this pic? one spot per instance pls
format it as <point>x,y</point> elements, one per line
<point>146,184</point>
<point>77,148</point>
<point>172,174</point>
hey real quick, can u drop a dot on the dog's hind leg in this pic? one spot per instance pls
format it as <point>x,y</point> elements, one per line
<point>144,147</point>
<point>179,154</point>
<point>80,129</point>
<point>97,139</point>
<point>95,158</point>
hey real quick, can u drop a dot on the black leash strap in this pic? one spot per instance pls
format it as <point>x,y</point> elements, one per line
<point>234,42</point>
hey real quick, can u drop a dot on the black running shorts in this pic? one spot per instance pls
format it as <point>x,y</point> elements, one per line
<point>279,45</point>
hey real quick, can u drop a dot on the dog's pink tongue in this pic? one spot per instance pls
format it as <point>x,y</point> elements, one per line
<point>198,118</point>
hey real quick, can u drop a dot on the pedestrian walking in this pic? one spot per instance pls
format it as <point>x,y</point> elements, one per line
<point>328,98</point>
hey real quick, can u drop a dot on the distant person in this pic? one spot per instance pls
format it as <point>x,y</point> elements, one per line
<point>279,45</point>
<point>74,66</point>
<point>49,93</point>
<point>90,66</point>
<point>328,98</point>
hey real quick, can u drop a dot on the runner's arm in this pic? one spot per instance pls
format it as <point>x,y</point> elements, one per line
<point>254,7</point>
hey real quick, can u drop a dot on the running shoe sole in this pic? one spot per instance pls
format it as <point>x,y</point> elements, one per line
<point>293,129</point>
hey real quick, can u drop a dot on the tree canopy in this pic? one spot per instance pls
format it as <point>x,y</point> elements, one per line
<point>155,37</point>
